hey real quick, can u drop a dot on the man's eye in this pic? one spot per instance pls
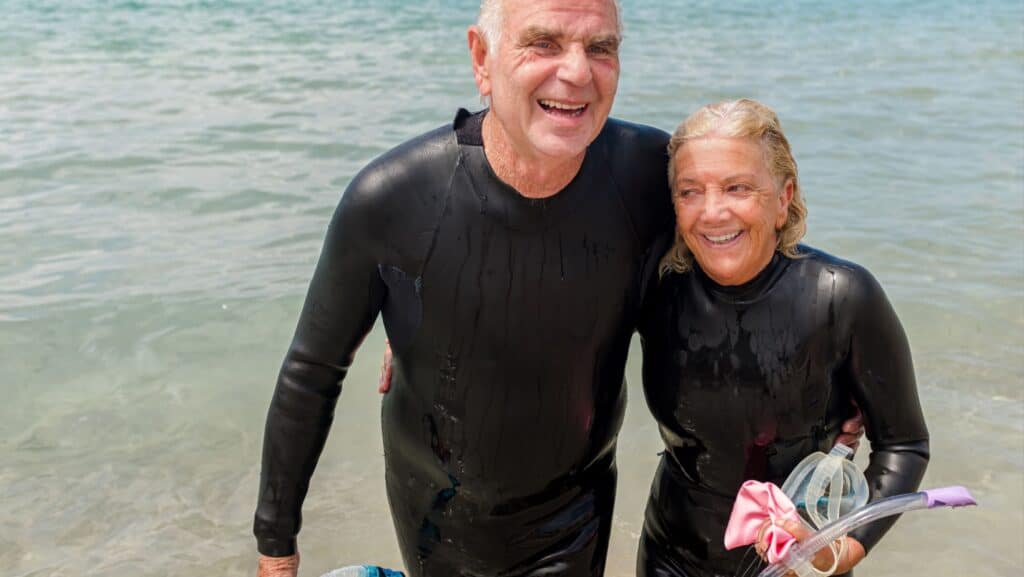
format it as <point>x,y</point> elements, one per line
<point>602,50</point>
<point>738,189</point>
<point>544,45</point>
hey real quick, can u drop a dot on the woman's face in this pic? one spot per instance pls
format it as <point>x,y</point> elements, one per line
<point>728,206</point>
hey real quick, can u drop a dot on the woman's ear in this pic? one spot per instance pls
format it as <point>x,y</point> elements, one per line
<point>785,197</point>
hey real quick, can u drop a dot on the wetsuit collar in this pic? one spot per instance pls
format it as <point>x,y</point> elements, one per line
<point>750,291</point>
<point>498,199</point>
<point>469,127</point>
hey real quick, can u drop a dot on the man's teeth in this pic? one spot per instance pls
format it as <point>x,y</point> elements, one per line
<point>721,239</point>
<point>562,106</point>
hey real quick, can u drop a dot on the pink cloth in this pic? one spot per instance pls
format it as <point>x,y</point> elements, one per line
<point>755,503</point>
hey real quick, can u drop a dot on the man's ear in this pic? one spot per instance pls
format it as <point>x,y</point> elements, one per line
<point>478,53</point>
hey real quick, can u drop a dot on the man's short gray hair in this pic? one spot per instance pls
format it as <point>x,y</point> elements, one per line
<point>491,12</point>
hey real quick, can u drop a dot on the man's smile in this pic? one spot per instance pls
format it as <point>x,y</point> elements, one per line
<point>563,109</point>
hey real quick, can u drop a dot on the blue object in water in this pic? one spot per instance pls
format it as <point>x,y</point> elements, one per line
<point>364,571</point>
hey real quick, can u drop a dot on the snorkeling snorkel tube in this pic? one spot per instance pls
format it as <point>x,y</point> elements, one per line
<point>798,558</point>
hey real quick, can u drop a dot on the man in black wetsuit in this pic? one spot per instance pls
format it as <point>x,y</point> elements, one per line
<point>503,252</point>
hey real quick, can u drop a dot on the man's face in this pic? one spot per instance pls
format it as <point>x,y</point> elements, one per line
<point>553,75</point>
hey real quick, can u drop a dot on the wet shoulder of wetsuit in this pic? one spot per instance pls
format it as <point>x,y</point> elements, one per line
<point>342,303</point>
<point>881,371</point>
<point>646,195</point>
<point>644,187</point>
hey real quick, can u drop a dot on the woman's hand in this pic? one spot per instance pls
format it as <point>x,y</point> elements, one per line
<point>852,554</point>
<point>853,429</point>
<point>384,385</point>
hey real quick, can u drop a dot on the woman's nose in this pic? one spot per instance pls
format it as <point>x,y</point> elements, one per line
<point>715,208</point>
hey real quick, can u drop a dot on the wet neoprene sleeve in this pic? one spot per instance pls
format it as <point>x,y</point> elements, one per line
<point>882,373</point>
<point>344,298</point>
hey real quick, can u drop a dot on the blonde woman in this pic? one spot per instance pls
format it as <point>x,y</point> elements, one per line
<point>754,344</point>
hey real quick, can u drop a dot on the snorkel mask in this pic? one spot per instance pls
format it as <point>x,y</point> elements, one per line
<point>825,487</point>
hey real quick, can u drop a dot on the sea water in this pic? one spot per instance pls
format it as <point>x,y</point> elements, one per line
<point>168,169</point>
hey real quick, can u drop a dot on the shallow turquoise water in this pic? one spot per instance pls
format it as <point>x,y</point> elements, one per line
<point>167,170</point>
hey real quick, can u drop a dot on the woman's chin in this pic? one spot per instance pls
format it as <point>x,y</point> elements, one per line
<point>731,266</point>
<point>727,273</point>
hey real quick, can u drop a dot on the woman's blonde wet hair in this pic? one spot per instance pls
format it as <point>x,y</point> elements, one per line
<point>744,118</point>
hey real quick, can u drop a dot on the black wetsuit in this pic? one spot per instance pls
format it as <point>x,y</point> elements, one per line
<point>746,381</point>
<point>510,320</point>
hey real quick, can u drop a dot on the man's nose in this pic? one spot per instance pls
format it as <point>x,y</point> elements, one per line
<point>575,66</point>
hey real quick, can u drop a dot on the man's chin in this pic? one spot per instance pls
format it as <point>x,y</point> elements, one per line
<point>561,147</point>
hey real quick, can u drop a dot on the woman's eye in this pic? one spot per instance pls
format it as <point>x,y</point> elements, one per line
<point>738,189</point>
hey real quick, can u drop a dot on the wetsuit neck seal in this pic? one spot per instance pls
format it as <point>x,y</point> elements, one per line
<point>497,199</point>
<point>750,291</point>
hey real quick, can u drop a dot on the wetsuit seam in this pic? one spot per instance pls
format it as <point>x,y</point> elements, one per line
<point>440,216</point>
<point>480,196</point>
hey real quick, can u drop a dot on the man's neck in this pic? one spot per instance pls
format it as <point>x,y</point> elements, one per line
<point>532,177</point>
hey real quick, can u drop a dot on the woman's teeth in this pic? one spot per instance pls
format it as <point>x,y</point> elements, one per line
<point>723,238</point>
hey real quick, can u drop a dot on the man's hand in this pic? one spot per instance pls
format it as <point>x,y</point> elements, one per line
<point>385,370</point>
<point>278,566</point>
<point>853,429</point>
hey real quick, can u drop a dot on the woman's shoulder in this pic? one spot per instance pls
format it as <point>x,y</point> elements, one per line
<point>846,279</point>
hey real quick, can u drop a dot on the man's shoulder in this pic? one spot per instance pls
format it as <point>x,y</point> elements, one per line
<point>636,157</point>
<point>418,162</point>
<point>639,137</point>
<point>628,127</point>
<point>635,149</point>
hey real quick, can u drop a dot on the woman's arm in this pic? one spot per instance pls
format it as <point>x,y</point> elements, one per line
<point>881,372</point>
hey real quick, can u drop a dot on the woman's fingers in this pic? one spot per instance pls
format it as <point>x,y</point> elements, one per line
<point>384,385</point>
